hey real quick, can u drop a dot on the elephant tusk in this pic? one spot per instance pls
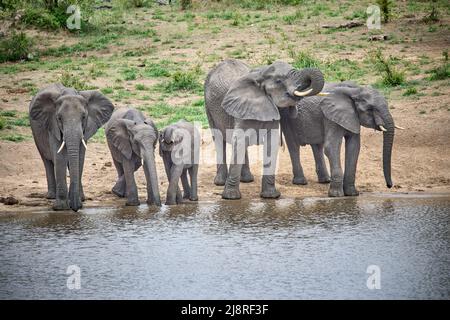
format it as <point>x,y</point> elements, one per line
<point>399,128</point>
<point>382,128</point>
<point>323,94</point>
<point>302,93</point>
<point>84,143</point>
<point>62,146</point>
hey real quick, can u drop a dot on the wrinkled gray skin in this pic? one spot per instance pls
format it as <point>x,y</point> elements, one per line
<point>322,122</point>
<point>179,149</point>
<point>132,140</point>
<point>237,97</point>
<point>60,114</point>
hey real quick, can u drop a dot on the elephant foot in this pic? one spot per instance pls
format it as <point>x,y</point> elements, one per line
<point>60,205</point>
<point>246,176</point>
<point>220,179</point>
<point>150,202</point>
<point>271,193</point>
<point>83,197</point>
<point>132,202</point>
<point>118,192</point>
<point>336,190</point>
<point>193,198</point>
<point>324,179</point>
<point>172,202</point>
<point>51,195</point>
<point>351,191</point>
<point>231,193</point>
<point>186,195</point>
<point>300,181</point>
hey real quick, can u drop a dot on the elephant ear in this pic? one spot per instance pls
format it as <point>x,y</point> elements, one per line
<point>100,110</point>
<point>43,110</point>
<point>119,134</point>
<point>246,99</point>
<point>339,107</point>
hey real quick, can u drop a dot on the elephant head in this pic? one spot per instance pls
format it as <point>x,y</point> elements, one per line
<point>258,94</point>
<point>138,137</point>
<point>351,106</point>
<point>72,118</point>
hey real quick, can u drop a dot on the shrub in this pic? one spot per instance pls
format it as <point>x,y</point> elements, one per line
<point>390,76</point>
<point>410,91</point>
<point>184,80</point>
<point>442,72</point>
<point>385,8</point>
<point>432,16</point>
<point>185,4</point>
<point>72,81</point>
<point>17,47</point>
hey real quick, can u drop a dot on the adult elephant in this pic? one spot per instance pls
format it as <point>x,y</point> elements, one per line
<point>242,108</point>
<point>323,122</point>
<point>62,120</point>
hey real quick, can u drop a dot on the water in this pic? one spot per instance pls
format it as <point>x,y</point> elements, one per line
<point>284,249</point>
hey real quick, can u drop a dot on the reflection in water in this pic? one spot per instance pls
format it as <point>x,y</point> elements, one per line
<point>288,248</point>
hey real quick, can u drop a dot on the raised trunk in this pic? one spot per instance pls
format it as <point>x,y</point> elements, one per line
<point>388,140</point>
<point>73,154</point>
<point>311,78</point>
<point>151,177</point>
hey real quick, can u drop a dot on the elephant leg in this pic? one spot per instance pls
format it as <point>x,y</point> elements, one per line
<point>221,158</point>
<point>119,188</point>
<point>332,147</point>
<point>270,154</point>
<point>352,147</point>
<point>246,175</point>
<point>193,173</point>
<point>173,191</point>
<point>294,153</point>
<point>231,190</point>
<point>51,181</point>
<point>321,167</point>
<point>131,188</point>
<point>185,183</point>
<point>60,165</point>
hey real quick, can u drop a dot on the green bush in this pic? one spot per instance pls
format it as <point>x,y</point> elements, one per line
<point>16,47</point>
<point>385,8</point>
<point>72,81</point>
<point>442,72</point>
<point>391,77</point>
<point>184,80</point>
<point>185,4</point>
<point>303,59</point>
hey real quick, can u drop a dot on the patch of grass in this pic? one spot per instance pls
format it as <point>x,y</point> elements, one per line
<point>386,9</point>
<point>303,59</point>
<point>154,70</point>
<point>129,74</point>
<point>107,90</point>
<point>14,137</point>
<point>16,47</point>
<point>410,91</point>
<point>164,114</point>
<point>99,136</point>
<point>293,18</point>
<point>140,87</point>
<point>184,80</point>
<point>441,72</point>
<point>71,80</point>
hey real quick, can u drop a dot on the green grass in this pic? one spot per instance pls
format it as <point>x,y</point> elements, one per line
<point>12,118</point>
<point>129,73</point>
<point>15,137</point>
<point>410,91</point>
<point>155,70</point>
<point>184,80</point>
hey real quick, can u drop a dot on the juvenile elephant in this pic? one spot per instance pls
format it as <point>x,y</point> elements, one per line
<point>132,140</point>
<point>62,120</point>
<point>242,108</point>
<point>179,147</point>
<point>322,122</point>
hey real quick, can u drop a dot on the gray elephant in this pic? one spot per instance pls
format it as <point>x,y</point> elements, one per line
<point>179,147</point>
<point>323,122</point>
<point>242,108</point>
<point>62,120</point>
<point>132,140</point>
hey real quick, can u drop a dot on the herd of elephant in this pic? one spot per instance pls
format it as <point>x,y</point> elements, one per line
<point>244,106</point>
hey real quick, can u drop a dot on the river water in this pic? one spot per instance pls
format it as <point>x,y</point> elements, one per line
<point>285,249</point>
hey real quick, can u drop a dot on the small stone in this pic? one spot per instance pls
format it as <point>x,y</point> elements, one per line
<point>108,164</point>
<point>34,181</point>
<point>9,201</point>
<point>2,199</point>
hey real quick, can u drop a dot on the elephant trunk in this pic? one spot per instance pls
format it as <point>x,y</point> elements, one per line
<point>151,177</point>
<point>73,154</point>
<point>310,82</point>
<point>388,140</point>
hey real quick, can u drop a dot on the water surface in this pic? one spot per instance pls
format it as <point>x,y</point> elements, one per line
<point>283,249</point>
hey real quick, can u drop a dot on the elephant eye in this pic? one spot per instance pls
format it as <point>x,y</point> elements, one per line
<point>278,81</point>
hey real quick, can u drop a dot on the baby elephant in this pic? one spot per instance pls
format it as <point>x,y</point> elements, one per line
<point>132,139</point>
<point>179,148</point>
